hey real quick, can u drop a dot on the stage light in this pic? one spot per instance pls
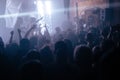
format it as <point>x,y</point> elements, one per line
<point>43,7</point>
<point>40,8</point>
<point>18,14</point>
<point>35,2</point>
<point>48,7</point>
<point>84,25</point>
<point>44,10</point>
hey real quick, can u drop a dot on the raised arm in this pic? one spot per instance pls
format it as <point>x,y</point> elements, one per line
<point>19,33</point>
<point>29,31</point>
<point>47,33</point>
<point>11,37</point>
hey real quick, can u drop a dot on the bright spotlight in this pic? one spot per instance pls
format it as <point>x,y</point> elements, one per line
<point>43,7</point>
<point>44,10</point>
<point>40,8</point>
<point>35,2</point>
<point>48,7</point>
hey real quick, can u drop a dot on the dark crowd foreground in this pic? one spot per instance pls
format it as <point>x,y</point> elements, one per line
<point>91,54</point>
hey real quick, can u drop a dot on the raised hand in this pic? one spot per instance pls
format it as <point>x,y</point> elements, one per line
<point>19,31</point>
<point>11,37</point>
<point>33,26</point>
<point>12,32</point>
<point>28,32</point>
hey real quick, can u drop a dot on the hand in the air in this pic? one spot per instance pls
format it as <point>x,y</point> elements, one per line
<point>19,31</point>
<point>12,32</point>
<point>34,26</point>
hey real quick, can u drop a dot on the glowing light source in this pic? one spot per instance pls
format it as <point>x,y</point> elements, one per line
<point>17,14</point>
<point>48,7</point>
<point>43,7</point>
<point>40,7</point>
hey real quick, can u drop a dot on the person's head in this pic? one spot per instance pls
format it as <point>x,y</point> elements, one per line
<point>70,49</point>
<point>96,53</point>
<point>107,45</point>
<point>105,32</point>
<point>96,49</point>
<point>61,51</point>
<point>12,48</point>
<point>90,37</point>
<point>32,55</point>
<point>68,43</point>
<point>33,41</point>
<point>32,70</point>
<point>83,56</point>
<point>46,55</point>
<point>24,44</point>
<point>58,30</point>
<point>1,46</point>
<point>1,42</point>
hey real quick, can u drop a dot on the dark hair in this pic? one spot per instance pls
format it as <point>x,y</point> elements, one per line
<point>107,44</point>
<point>32,70</point>
<point>89,37</point>
<point>32,55</point>
<point>83,55</point>
<point>46,55</point>
<point>1,42</point>
<point>61,51</point>
<point>24,43</point>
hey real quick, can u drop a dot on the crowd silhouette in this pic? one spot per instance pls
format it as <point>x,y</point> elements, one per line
<point>92,54</point>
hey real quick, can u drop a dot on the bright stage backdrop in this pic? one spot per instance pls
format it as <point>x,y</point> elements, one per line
<point>11,12</point>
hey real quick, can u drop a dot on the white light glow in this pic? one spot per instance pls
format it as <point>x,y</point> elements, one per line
<point>18,14</point>
<point>43,30</point>
<point>40,8</point>
<point>48,7</point>
<point>43,7</point>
